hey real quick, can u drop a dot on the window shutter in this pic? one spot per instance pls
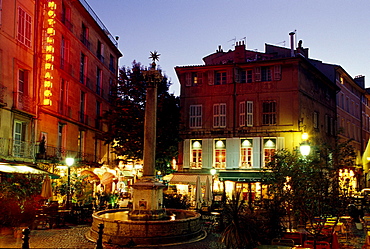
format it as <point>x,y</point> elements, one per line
<point>257,73</point>
<point>223,115</point>
<point>188,79</point>
<point>242,113</point>
<point>211,77</point>
<point>277,72</point>
<point>216,115</point>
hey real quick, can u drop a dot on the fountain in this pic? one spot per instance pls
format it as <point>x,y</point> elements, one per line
<point>149,223</point>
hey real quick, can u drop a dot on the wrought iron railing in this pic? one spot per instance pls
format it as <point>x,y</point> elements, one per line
<point>16,148</point>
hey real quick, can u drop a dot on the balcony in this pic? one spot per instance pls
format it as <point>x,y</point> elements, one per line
<point>11,148</point>
<point>57,154</point>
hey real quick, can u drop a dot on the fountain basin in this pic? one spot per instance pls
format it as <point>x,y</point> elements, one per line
<point>180,226</point>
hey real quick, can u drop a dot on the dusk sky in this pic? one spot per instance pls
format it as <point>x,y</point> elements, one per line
<point>185,31</point>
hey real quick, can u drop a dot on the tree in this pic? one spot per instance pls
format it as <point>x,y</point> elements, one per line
<point>126,119</point>
<point>308,187</point>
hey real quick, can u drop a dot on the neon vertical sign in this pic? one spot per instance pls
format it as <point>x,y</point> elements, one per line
<point>49,52</point>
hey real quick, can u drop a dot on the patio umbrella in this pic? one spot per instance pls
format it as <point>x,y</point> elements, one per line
<point>198,194</point>
<point>208,193</point>
<point>107,180</point>
<point>46,190</point>
<point>90,176</point>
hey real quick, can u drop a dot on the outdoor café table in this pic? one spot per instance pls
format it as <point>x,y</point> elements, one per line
<point>63,213</point>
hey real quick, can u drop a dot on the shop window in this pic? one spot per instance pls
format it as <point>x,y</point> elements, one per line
<point>196,154</point>
<point>269,149</point>
<point>246,152</point>
<point>220,154</point>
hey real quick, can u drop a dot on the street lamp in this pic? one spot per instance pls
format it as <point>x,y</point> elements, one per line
<point>213,172</point>
<point>69,162</point>
<point>304,147</point>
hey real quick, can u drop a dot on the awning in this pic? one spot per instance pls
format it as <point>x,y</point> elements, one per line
<point>24,169</point>
<point>241,176</point>
<point>189,179</point>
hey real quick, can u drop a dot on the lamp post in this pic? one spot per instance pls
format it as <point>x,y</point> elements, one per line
<point>305,147</point>
<point>69,162</point>
<point>213,172</point>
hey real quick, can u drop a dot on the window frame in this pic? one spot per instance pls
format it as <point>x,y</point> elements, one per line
<point>195,116</point>
<point>24,27</point>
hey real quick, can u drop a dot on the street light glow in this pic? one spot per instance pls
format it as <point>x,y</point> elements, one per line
<point>70,161</point>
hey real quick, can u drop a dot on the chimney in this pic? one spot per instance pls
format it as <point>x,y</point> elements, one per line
<point>292,43</point>
<point>239,53</point>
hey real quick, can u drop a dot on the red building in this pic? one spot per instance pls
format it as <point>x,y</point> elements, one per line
<point>242,105</point>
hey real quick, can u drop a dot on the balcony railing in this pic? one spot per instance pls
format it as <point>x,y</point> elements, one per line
<point>56,154</point>
<point>16,148</point>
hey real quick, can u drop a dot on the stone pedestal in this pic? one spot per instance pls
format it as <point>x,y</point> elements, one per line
<point>147,200</point>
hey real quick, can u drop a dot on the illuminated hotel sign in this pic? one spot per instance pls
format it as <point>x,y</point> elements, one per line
<point>49,52</point>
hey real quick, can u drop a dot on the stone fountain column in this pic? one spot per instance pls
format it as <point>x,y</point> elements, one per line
<point>148,192</point>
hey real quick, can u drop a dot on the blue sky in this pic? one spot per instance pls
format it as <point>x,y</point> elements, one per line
<point>185,31</point>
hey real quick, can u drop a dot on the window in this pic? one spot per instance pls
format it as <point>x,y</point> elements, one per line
<point>81,143</point>
<point>220,154</point>
<point>196,154</point>
<point>246,152</point>
<point>19,135</point>
<point>98,111</point>
<point>219,115</point>
<point>195,116</point>
<point>100,51</point>
<point>315,120</point>
<point>60,138</point>
<point>22,81</point>
<point>1,10</point>
<point>82,107</point>
<point>63,95</point>
<point>83,68</point>
<point>98,80</point>
<point>246,113</point>
<point>24,27</point>
<point>269,149</point>
<point>65,48</point>
<point>265,74</point>
<point>242,113</point>
<point>197,79</point>
<point>220,78</point>
<point>85,36</point>
<point>111,64</point>
<point>249,113</point>
<point>249,75</point>
<point>66,16</point>
<point>269,113</point>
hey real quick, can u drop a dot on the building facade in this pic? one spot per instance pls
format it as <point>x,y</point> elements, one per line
<point>242,106</point>
<point>58,66</point>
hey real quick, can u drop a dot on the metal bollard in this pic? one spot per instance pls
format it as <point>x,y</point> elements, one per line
<point>99,241</point>
<point>26,237</point>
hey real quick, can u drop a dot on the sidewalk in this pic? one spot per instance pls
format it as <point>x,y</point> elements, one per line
<point>74,237</point>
